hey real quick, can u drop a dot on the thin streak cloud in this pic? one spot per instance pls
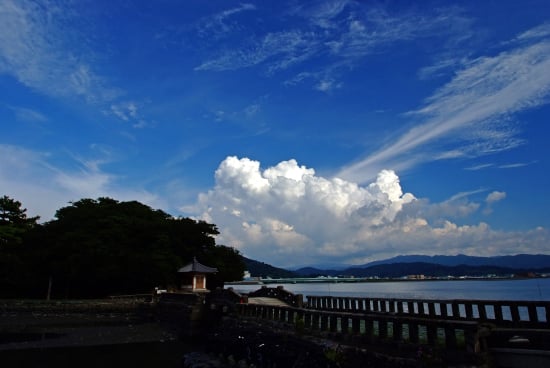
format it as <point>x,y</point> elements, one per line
<point>484,91</point>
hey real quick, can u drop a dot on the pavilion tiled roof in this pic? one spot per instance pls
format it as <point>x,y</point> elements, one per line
<point>195,266</point>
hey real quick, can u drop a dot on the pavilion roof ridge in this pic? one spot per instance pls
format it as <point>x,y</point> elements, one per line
<point>196,266</point>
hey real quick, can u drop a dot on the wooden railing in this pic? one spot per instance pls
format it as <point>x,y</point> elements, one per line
<point>526,314</point>
<point>452,324</point>
<point>450,334</point>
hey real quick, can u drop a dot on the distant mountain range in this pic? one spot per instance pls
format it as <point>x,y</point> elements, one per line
<point>516,261</point>
<point>437,266</point>
<point>261,269</point>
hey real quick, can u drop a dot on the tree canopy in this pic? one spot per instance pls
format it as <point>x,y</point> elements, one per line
<point>14,225</point>
<point>13,221</point>
<point>98,247</point>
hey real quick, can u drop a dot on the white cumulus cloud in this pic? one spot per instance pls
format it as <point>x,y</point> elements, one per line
<point>495,196</point>
<point>287,215</point>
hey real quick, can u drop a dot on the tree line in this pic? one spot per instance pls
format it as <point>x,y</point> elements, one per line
<point>100,247</point>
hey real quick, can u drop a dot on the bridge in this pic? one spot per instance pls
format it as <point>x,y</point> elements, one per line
<point>511,333</point>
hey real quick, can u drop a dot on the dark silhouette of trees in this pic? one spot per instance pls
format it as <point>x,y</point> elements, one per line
<point>14,225</point>
<point>99,247</point>
<point>13,222</point>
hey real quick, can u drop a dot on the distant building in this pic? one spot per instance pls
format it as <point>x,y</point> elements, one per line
<point>416,277</point>
<point>193,276</point>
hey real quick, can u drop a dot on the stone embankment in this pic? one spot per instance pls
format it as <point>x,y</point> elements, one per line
<point>40,324</point>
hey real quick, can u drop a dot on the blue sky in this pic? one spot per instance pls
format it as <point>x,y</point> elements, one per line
<point>308,132</point>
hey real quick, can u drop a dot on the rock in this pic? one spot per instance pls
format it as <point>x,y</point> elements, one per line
<point>201,360</point>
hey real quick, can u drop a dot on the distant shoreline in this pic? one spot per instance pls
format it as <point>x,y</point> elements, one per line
<point>332,280</point>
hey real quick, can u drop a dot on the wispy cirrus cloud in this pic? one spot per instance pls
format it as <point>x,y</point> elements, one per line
<point>345,31</point>
<point>220,24</point>
<point>42,48</point>
<point>515,165</point>
<point>374,29</point>
<point>35,49</point>
<point>503,166</point>
<point>28,115</point>
<point>34,178</point>
<point>471,111</point>
<point>541,31</point>
<point>278,49</point>
<point>479,167</point>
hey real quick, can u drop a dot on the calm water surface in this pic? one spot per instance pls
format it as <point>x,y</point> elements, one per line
<point>530,289</point>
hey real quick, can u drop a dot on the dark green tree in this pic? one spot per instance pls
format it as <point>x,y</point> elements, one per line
<point>14,226</point>
<point>229,263</point>
<point>14,222</point>
<point>101,247</point>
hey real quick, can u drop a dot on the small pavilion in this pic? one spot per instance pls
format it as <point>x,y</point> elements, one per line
<point>194,276</point>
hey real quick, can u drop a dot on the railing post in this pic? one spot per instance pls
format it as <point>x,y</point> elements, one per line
<point>450,337</point>
<point>313,302</point>
<point>299,300</point>
<point>382,329</point>
<point>532,309</point>
<point>283,314</point>
<point>397,330</point>
<point>400,307</point>
<point>498,312</point>
<point>276,313</point>
<point>470,339</point>
<point>469,310</point>
<point>456,310</point>
<point>515,312</point>
<point>431,332</point>
<point>344,324</point>
<point>368,305</point>
<point>369,328</point>
<point>431,309</point>
<point>413,332</point>
<point>482,310</point>
<point>355,325</point>
<point>333,323</point>
<point>443,309</point>
<point>307,319</point>
<point>290,316</point>
<point>299,316</point>
<point>391,305</point>
<point>324,322</point>
<point>315,321</point>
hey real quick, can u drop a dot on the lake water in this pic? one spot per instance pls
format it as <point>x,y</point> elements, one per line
<point>521,289</point>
